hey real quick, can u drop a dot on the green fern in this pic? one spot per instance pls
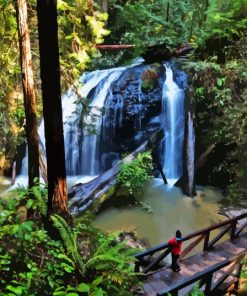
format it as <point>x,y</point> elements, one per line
<point>40,193</point>
<point>113,260</point>
<point>69,240</point>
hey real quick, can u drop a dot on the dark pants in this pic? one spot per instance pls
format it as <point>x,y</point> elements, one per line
<point>174,265</point>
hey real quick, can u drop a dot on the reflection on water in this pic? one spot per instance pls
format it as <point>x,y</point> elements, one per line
<point>170,210</point>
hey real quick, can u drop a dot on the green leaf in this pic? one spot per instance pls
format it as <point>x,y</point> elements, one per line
<point>97,281</point>
<point>83,288</point>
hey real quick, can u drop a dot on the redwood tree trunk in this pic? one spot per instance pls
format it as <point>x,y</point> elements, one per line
<point>28,92</point>
<point>52,106</point>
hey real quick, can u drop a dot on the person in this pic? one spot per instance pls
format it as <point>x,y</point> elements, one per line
<point>175,244</point>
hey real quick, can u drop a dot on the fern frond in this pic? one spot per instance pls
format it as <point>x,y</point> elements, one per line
<point>68,239</point>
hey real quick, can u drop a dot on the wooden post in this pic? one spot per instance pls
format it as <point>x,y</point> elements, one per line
<point>137,266</point>
<point>206,241</point>
<point>208,285</point>
<point>236,285</point>
<point>234,225</point>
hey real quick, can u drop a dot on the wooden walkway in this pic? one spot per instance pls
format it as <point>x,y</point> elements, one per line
<point>216,268</point>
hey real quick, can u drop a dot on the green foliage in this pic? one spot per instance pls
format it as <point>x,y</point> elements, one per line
<point>244,273</point>
<point>135,174</point>
<point>196,291</point>
<point>219,91</point>
<point>35,197</point>
<point>32,263</point>
<point>146,23</point>
<point>69,240</point>
<point>80,27</point>
<point>226,19</point>
<point>232,194</point>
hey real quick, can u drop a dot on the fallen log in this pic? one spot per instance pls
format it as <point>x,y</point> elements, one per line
<point>198,164</point>
<point>114,46</point>
<point>203,158</point>
<point>82,195</point>
<point>152,53</point>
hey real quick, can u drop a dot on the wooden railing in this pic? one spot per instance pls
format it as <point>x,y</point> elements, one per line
<point>205,278</point>
<point>229,225</point>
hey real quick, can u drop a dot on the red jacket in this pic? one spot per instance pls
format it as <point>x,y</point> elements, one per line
<point>175,245</point>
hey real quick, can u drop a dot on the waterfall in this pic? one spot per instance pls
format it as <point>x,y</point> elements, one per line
<point>90,158</point>
<point>81,151</point>
<point>173,123</point>
<point>190,154</point>
<point>78,145</point>
<point>124,114</point>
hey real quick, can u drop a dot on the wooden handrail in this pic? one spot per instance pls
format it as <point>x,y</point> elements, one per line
<point>224,276</point>
<point>192,246</point>
<point>205,232</point>
<point>203,274</point>
<point>219,236</point>
<point>238,230</point>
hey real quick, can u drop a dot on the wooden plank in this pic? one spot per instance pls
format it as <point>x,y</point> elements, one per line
<point>225,275</point>
<point>148,290</point>
<point>228,249</point>
<point>157,284</point>
<point>241,241</point>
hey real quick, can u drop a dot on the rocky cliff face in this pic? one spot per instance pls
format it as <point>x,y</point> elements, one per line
<point>132,111</point>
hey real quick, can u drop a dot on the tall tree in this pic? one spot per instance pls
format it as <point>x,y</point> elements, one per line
<point>52,106</point>
<point>28,91</point>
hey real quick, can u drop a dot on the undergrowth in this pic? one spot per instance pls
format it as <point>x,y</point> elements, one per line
<point>135,174</point>
<point>86,261</point>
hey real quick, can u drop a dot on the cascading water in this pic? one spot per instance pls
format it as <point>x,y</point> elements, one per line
<point>76,151</point>
<point>81,150</point>
<point>90,159</point>
<point>173,123</point>
<point>124,114</point>
<point>190,154</point>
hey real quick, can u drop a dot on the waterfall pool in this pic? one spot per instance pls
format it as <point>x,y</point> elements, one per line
<point>171,210</point>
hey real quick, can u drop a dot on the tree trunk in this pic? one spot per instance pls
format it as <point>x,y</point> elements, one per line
<point>28,92</point>
<point>104,5</point>
<point>52,107</point>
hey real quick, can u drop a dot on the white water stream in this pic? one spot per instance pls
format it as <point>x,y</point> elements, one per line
<point>173,121</point>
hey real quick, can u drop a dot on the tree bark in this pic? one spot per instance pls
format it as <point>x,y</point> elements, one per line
<point>203,157</point>
<point>28,92</point>
<point>52,107</point>
<point>114,46</point>
<point>104,5</point>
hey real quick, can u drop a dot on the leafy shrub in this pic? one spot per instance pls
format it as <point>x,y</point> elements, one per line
<point>86,262</point>
<point>135,174</point>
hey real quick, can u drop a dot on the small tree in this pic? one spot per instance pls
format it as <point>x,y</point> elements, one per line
<point>28,91</point>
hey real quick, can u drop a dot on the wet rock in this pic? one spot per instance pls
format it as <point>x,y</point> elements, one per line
<point>132,240</point>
